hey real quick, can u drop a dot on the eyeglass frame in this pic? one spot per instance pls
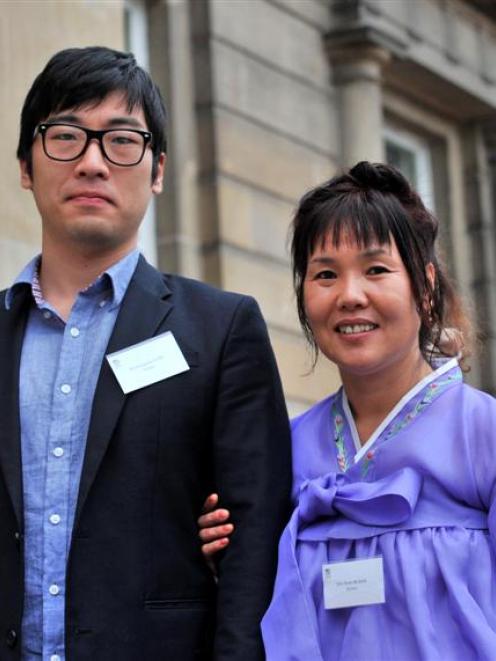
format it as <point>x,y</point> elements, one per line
<point>92,134</point>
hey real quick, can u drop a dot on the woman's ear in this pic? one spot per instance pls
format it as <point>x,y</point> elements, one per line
<point>430,271</point>
<point>427,304</point>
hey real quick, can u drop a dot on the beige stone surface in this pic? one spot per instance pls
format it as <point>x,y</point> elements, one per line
<point>272,162</point>
<point>302,385</point>
<point>268,281</point>
<point>253,219</point>
<point>278,101</point>
<point>360,87</point>
<point>13,256</point>
<point>447,38</point>
<point>315,12</point>
<point>273,34</point>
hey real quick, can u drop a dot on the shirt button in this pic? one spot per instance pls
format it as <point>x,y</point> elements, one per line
<point>47,314</point>
<point>66,388</point>
<point>54,589</point>
<point>74,331</point>
<point>54,518</point>
<point>55,657</point>
<point>103,303</point>
<point>58,452</point>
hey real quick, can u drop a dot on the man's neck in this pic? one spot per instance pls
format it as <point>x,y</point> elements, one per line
<point>64,275</point>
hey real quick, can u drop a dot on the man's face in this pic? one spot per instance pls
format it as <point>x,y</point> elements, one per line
<point>91,204</point>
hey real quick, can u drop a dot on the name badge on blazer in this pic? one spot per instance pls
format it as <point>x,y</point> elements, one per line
<point>147,362</point>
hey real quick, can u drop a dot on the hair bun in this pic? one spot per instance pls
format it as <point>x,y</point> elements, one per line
<point>381,177</point>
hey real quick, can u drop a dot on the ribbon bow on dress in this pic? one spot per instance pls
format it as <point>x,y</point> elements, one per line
<point>389,501</point>
<point>289,626</point>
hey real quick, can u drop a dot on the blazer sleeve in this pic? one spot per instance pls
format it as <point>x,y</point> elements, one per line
<point>252,459</point>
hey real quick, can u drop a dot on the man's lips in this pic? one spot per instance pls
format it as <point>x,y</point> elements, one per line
<point>90,197</point>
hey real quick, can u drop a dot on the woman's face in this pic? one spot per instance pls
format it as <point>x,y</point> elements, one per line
<point>361,309</point>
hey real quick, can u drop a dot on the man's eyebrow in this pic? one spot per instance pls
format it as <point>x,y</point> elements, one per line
<point>128,121</point>
<point>71,119</point>
<point>114,121</point>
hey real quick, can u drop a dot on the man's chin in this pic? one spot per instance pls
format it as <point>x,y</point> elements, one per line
<point>98,239</point>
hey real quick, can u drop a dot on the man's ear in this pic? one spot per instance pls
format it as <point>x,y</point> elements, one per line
<point>157,184</point>
<point>26,178</point>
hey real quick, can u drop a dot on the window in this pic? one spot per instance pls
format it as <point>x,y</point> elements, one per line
<point>411,154</point>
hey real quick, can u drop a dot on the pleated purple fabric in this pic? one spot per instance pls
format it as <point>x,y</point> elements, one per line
<point>420,494</point>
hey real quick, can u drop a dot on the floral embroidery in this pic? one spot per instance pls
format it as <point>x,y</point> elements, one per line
<point>343,460</point>
<point>432,391</point>
<point>365,463</point>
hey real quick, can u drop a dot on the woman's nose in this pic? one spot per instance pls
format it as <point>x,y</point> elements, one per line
<point>352,293</point>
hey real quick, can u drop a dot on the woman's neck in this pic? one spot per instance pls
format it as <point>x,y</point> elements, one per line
<point>372,397</point>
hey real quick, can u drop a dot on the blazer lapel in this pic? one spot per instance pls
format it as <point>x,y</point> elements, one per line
<point>144,308</point>
<point>12,327</point>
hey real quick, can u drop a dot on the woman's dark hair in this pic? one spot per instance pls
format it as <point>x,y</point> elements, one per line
<point>77,76</point>
<point>372,203</point>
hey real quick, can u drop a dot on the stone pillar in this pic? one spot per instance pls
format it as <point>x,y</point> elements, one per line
<point>480,178</point>
<point>358,81</point>
<point>172,66</point>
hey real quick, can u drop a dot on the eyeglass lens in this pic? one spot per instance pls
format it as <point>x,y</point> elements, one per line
<point>120,146</point>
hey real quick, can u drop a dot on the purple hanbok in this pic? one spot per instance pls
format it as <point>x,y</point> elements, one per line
<point>420,494</point>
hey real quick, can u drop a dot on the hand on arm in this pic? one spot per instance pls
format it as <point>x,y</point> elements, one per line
<point>214,527</point>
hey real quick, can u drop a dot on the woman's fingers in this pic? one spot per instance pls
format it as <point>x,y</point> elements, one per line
<point>210,549</point>
<point>210,502</point>
<point>213,518</point>
<point>216,533</point>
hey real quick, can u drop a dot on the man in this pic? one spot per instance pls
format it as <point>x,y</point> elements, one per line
<point>106,457</point>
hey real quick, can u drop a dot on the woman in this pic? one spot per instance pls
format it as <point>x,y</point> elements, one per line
<point>397,468</point>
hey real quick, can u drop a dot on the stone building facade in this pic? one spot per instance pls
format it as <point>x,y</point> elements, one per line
<point>268,98</point>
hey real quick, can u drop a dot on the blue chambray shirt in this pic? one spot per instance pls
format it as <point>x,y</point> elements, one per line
<point>60,364</point>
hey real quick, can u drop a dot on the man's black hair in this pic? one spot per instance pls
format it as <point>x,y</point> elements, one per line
<point>77,76</point>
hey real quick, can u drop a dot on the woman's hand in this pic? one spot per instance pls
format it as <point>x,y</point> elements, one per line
<point>214,528</point>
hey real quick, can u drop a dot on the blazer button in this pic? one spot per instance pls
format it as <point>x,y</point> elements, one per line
<point>11,638</point>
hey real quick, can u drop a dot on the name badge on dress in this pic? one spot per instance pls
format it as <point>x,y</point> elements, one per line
<point>147,362</point>
<point>353,583</point>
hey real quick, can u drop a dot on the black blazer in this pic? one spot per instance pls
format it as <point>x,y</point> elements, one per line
<point>137,585</point>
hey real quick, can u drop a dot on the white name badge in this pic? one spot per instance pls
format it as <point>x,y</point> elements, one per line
<point>147,362</point>
<point>353,583</point>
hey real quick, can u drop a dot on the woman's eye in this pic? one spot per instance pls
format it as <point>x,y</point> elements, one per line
<point>325,275</point>
<point>376,270</point>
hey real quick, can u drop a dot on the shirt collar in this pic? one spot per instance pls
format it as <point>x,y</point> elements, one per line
<point>116,276</point>
<point>24,280</point>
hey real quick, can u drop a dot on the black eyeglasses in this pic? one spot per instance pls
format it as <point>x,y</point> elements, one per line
<point>67,142</point>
